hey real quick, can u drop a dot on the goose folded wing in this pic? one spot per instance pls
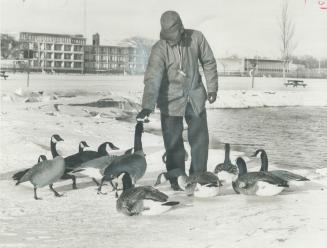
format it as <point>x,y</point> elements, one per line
<point>39,167</point>
<point>270,178</point>
<point>99,163</point>
<point>289,176</point>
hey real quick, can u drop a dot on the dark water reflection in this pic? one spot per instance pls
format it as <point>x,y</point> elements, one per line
<point>292,136</point>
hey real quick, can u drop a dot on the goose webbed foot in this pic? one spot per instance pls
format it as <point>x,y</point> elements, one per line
<point>74,185</point>
<point>96,182</point>
<point>55,192</point>
<point>73,178</point>
<point>101,193</point>
<point>35,195</point>
<point>100,186</point>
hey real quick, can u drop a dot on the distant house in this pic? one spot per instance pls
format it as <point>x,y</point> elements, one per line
<point>243,66</point>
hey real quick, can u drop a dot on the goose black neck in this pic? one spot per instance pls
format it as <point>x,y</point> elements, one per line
<point>138,139</point>
<point>54,149</point>
<point>80,149</point>
<point>227,154</point>
<point>127,182</point>
<point>102,149</point>
<point>242,169</point>
<point>264,161</point>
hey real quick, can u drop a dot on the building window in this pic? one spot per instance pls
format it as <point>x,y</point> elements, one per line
<point>68,64</point>
<point>48,64</point>
<point>58,63</point>
<point>57,55</point>
<point>68,47</point>
<point>77,48</point>
<point>48,55</point>
<point>48,46</point>
<point>77,56</point>
<point>68,56</point>
<point>77,64</point>
<point>57,47</point>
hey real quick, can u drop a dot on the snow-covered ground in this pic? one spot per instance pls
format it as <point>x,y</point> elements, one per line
<point>296,218</point>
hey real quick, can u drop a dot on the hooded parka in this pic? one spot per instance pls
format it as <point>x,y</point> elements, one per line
<point>172,78</point>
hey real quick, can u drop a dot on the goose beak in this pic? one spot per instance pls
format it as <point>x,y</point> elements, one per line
<point>253,155</point>
<point>113,147</point>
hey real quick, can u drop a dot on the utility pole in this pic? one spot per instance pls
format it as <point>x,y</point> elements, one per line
<point>28,73</point>
<point>254,67</point>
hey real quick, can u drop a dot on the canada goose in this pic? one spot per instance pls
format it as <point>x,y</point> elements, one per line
<point>286,175</point>
<point>21,173</point>
<point>205,184</point>
<point>133,164</point>
<point>144,200</point>
<point>227,171</point>
<point>257,183</point>
<point>43,173</point>
<point>53,141</point>
<point>53,144</point>
<point>95,168</point>
<point>75,160</point>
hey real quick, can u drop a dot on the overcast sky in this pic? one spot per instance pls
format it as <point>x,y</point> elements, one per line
<point>243,27</point>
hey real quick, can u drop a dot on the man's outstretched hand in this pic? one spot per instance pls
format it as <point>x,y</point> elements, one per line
<point>143,115</point>
<point>212,96</point>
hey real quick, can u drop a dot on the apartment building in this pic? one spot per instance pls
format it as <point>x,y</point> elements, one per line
<point>54,52</point>
<point>109,59</point>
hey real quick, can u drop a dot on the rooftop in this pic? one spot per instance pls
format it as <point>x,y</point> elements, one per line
<point>78,36</point>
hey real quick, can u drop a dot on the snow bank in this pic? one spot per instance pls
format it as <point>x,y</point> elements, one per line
<point>253,98</point>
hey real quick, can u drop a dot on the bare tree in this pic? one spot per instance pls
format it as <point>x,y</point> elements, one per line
<point>9,47</point>
<point>287,29</point>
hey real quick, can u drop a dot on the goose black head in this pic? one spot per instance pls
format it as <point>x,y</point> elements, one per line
<point>219,168</point>
<point>112,146</point>
<point>83,144</point>
<point>162,177</point>
<point>41,158</point>
<point>103,147</point>
<point>259,152</point>
<point>242,169</point>
<point>56,138</point>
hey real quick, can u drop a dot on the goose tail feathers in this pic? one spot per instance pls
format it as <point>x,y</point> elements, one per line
<point>170,203</point>
<point>17,176</point>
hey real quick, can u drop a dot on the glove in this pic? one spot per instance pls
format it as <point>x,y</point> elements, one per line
<point>212,96</point>
<point>143,115</point>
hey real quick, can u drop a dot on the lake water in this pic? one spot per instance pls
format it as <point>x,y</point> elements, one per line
<point>294,137</point>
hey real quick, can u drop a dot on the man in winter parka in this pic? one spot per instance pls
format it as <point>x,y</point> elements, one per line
<point>173,83</point>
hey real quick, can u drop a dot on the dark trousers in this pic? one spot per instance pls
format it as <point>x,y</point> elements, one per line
<point>172,129</point>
